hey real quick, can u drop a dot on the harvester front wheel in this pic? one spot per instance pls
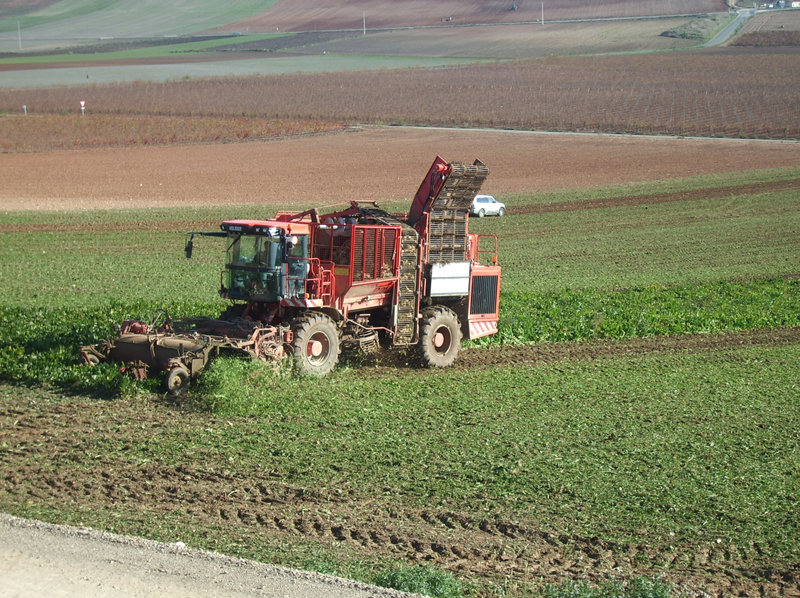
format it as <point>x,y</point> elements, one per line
<point>316,344</point>
<point>177,381</point>
<point>440,337</point>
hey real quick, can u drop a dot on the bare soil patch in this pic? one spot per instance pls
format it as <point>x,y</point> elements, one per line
<point>46,462</point>
<point>381,164</point>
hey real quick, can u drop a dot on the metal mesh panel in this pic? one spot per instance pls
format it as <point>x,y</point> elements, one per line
<point>484,295</point>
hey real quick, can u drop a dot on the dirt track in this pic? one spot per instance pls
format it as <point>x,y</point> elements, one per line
<point>39,559</point>
<point>371,164</point>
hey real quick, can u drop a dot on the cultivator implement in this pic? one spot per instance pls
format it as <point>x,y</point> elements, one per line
<point>183,348</point>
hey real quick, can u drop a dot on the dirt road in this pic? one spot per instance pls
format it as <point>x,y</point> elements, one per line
<point>39,559</point>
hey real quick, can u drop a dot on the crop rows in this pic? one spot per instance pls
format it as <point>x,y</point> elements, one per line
<point>49,131</point>
<point>716,94</point>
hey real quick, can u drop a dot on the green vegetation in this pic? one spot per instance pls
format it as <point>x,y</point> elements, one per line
<point>682,452</point>
<point>635,270</point>
<point>720,236</point>
<point>79,19</point>
<point>638,588</point>
<point>138,51</point>
<point>648,311</point>
<point>595,445</point>
<point>88,259</point>
<point>689,456</point>
<point>699,28</point>
<point>427,581</point>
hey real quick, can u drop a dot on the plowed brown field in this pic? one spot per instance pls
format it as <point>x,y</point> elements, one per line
<point>379,164</point>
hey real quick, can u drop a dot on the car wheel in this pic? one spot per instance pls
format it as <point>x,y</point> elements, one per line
<point>481,213</point>
<point>501,212</point>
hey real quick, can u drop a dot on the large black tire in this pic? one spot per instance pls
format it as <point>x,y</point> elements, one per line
<point>177,381</point>
<point>440,337</point>
<point>316,345</point>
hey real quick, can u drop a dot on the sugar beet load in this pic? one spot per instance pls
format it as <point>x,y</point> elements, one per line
<point>306,285</point>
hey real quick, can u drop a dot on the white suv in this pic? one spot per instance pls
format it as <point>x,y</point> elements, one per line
<point>486,205</point>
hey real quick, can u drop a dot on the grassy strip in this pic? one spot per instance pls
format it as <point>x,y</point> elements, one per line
<point>141,52</point>
<point>39,345</point>
<point>91,258</point>
<point>68,10</point>
<point>647,311</point>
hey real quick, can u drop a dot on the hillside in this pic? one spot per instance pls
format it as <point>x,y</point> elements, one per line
<point>75,22</point>
<point>305,15</point>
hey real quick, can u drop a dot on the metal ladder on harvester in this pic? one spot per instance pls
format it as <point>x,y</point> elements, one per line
<point>447,219</point>
<point>408,287</point>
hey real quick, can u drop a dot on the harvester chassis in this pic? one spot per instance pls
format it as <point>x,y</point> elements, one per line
<point>305,286</point>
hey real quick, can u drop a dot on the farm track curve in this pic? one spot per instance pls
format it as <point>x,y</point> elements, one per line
<point>262,504</point>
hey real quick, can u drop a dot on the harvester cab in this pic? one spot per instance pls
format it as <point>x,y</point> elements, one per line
<point>265,261</point>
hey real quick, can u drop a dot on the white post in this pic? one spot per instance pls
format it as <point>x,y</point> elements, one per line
<point>25,109</point>
<point>365,22</point>
<point>83,107</point>
<point>542,13</point>
<point>19,36</point>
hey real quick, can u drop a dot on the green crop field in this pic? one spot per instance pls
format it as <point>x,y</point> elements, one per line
<point>637,412</point>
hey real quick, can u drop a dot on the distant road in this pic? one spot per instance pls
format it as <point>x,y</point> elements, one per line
<point>731,28</point>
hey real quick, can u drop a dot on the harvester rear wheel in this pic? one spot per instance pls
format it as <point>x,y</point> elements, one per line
<point>177,381</point>
<point>440,337</point>
<point>316,344</point>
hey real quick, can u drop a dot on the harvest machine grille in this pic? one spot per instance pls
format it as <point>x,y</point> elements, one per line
<point>483,299</point>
